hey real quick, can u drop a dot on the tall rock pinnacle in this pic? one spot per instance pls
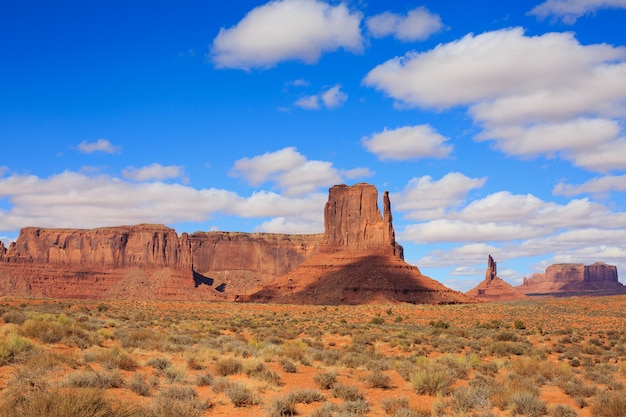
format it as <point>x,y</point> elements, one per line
<point>492,270</point>
<point>353,221</point>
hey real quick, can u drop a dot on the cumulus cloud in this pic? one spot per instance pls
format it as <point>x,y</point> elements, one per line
<point>424,198</point>
<point>330,98</point>
<point>418,24</point>
<point>291,171</point>
<point>544,95</point>
<point>570,10</point>
<point>77,200</point>
<point>284,30</point>
<point>101,145</point>
<point>408,142</point>
<point>154,171</point>
<point>598,185</point>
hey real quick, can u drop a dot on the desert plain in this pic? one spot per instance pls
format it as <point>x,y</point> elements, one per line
<point>553,356</point>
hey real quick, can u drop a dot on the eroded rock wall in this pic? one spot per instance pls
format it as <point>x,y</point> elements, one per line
<point>353,222</point>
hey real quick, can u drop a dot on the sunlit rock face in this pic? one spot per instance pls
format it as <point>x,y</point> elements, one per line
<point>574,279</point>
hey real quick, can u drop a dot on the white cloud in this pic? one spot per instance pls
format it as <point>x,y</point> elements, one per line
<point>459,231</point>
<point>544,95</point>
<point>334,97</point>
<point>284,225</point>
<point>6,240</point>
<point>154,171</point>
<point>292,172</point>
<point>408,142</point>
<point>418,24</point>
<point>77,200</point>
<point>331,98</point>
<point>101,145</point>
<point>470,254</point>
<point>424,198</point>
<point>598,185</point>
<point>284,30</point>
<point>300,82</point>
<point>570,10</point>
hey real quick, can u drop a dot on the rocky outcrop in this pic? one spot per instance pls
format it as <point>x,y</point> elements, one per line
<point>143,246</point>
<point>574,279</point>
<point>359,260</point>
<point>147,262</point>
<point>493,288</point>
<point>353,222</point>
<point>356,260</point>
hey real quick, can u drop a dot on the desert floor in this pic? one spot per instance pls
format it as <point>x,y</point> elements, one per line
<point>555,357</point>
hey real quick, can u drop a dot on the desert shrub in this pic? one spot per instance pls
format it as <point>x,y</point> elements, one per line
<point>194,364</point>
<point>228,366</point>
<point>175,374</point>
<point>347,392</point>
<point>431,378</point>
<point>205,379</point>
<point>16,317</point>
<point>92,379</point>
<point>519,325</point>
<point>409,412</point>
<point>179,392</point>
<point>167,407</point>
<point>84,402</point>
<point>221,384</point>
<point>610,404</point>
<point>464,399</point>
<point>306,396</point>
<point>325,380</point>
<point>240,395</point>
<point>377,320</point>
<point>391,405</point>
<point>281,407</point>
<point>159,363</point>
<point>144,338</point>
<point>289,366</point>
<point>439,324</point>
<point>295,350</point>
<point>15,348</point>
<point>326,410</point>
<point>575,387</point>
<point>405,368</point>
<point>139,386</point>
<point>354,360</point>
<point>358,407</point>
<point>505,348</point>
<point>256,370</point>
<point>111,359</point>
<point>562,410</point>
<point>458,367</point>
<point>528,404</point>
<point>377,379</point>
<point>488,368</point>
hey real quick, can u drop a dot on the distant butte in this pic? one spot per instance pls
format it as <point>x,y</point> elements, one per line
<point>493,288</point>
<point>562,280</point>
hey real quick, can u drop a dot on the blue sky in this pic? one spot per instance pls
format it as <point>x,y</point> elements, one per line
<point>496,126</point>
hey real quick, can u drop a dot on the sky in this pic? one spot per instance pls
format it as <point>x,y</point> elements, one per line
<point>498,127</point>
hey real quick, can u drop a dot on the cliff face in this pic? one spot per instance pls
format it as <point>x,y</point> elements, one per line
<point>145,246</point>
<point>353,222</point>
<point>147,261</point>
<point>574,279</point>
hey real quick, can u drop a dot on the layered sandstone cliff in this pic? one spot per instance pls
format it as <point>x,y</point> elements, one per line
<point>359,260</point>
<point>494,288</point>
<point>147,262</point>
<point>574,279</point>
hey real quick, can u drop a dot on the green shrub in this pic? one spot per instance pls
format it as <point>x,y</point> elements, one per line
<point>15,348</point>
<point>439,324</point>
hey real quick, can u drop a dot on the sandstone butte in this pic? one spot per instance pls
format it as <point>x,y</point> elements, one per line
<point>493,288</point>
<point>356,260</point>
<point>562,280</point>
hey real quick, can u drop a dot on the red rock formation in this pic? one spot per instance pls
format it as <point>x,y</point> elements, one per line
<point>574,279</point>
<point>493,288</point>
<point>359,260</point>
<point>356,260</point>
<point>353,223</point>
